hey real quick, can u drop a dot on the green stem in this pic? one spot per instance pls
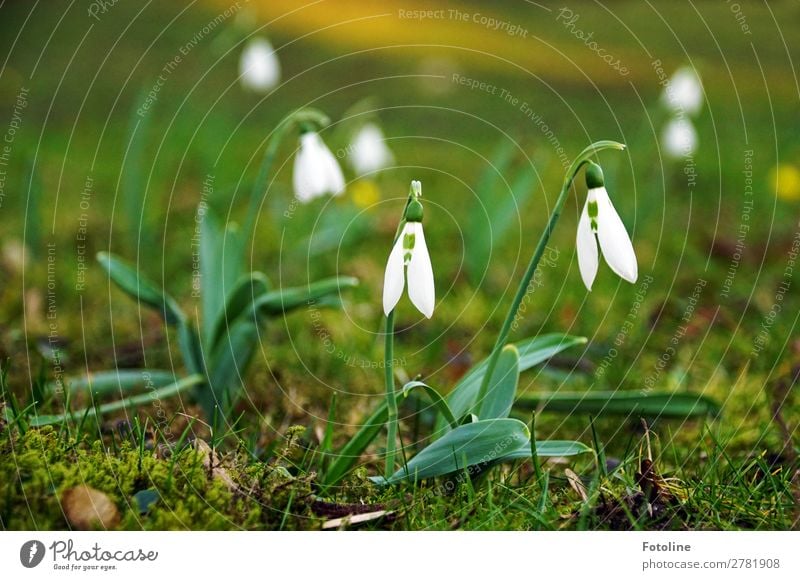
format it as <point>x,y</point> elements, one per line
<point>505,330</point>
<point>310,116</point>
<point>391,400</point>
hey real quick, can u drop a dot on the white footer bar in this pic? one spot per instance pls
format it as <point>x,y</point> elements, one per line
<point>409,555</point>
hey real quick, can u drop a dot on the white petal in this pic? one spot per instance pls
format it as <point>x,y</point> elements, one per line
<point>420,274</point>
<point>587,247</point>
<point>311,168</point>
<point>679,139</point>
<point>614,240</point>
<point>259,69</point>
<point>369,152</point>
<point>684,91</point>
<point>394,277</point>
<point>334,178</point>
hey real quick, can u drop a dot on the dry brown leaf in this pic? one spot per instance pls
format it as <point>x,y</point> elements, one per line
<point>213,465</point>
<point>89,509</point>
<point>576,484</point>
<point>354,520</point>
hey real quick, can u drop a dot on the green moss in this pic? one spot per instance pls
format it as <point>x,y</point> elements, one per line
<point>37,467</point>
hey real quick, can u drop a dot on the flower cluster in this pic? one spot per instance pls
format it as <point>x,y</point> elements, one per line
<point>683,97</point>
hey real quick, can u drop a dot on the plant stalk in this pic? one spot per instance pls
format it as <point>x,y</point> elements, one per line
<point>391,398</point>
<point>502,337</point>
<point>310,116</point>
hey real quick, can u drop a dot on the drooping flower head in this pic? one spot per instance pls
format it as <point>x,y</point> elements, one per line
<point>259,69</point>
<point>368,151</point>
<point>679,138</point>
<point>316,171</point>
<point>684,91</point>
<point>409,258</point>
<point>599,223</point>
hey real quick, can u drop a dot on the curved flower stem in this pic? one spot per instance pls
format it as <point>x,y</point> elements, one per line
<point>292,120</point>
<point>391,399</point>
<point>505,330</point>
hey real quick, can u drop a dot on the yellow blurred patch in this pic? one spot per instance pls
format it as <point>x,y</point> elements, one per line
<point>785,179</point>
<point>365,193</point>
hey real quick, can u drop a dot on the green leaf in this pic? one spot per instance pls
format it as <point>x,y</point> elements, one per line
<point>134,174</point>
<point>221,261</point>
<point>352,451</point>
<point>126,404</point>
<point>193,358</point>
<point>502,386</point>
<point>241,297</point>
<point>495,208</point>
<point>436,399</point>
<point>106,382</point>
<point>138,286</point>
<point>633,403</point>
<point>532,352</point>
<point>464,446</point>
<point>554,448</point>
<point>229,362</point>
<point>280,302</point>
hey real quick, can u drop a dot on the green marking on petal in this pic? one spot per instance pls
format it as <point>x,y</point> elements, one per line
<point>408,241</point>
<point>593,210</point>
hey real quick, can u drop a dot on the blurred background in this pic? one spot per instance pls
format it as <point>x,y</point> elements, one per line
<point>119,118</point>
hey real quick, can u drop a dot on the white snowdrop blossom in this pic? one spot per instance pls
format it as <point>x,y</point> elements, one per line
<point>679,139</point>
<point>684,91</point>
<point>409,258</point>
<point>369,152</point>
<point>316,171</point>
<point>600,223</point>
<point>259,68</point>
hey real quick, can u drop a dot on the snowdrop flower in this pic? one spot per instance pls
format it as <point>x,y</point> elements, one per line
<point>369,151</point>
<point>684,91</point>
<point>599,218</point>
<point>679,138</point>
<point>316,171</point>
<point>259,69</point>
<point>410,254</point>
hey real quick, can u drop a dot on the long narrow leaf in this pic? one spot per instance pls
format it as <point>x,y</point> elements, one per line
<point>531,352</point>
<point>464,446</point>
<point>634,403</point>
<point>138,286</point>
<point>438,402</point>
<point>230,360</point>
<point>280,302</point>
<point>211,293</point>
<point>134,173</point>
<point>554,448</point>
<point>126,404</point>
<point>246,291</point>
<point>496,208</point>
<point>192,352</point>
<point>350,453</point>
<point>106,382</point>
<point>503,385</point>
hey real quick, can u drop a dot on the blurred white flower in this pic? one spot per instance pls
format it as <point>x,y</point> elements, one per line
<point>316,171</point>
<point>369,152</point>
<point>409,257</point>
<point>259,69</point>
<point>684,91</point>
<point>600,219</point>
<point>679,139</point>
